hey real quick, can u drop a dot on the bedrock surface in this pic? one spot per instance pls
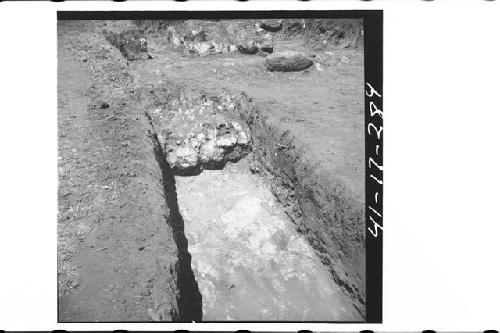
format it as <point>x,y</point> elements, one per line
<point>248,259</point>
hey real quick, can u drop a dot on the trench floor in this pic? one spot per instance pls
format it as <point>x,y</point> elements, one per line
<point>249,261</point>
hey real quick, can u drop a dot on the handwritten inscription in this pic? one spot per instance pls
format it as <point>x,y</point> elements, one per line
<point>375,167</point>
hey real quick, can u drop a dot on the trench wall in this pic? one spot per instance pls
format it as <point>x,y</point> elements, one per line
<point>321,206</point>
<point>188,296</point>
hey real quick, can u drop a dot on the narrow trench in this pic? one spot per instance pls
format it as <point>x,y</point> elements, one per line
<point>246,261</point>
<point>189,299</point>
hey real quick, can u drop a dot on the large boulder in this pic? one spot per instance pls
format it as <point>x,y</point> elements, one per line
<point>210,154</point>
<point>183,158</point>
<point>211,147</point>
<point>200,132</point>
<point>287,61</point>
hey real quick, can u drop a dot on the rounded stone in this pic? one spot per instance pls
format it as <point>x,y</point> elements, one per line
<point>287,61</point>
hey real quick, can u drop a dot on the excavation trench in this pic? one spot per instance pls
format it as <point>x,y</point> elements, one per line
<point>249,261</point>
<point>260,233</point>
<point>246,260</point>
<point>188,299</point>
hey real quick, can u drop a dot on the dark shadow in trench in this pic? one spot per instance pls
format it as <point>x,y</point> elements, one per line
<point>189,299</point>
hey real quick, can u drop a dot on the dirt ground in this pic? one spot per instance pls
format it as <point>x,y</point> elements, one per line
<point>118,255</point>
<point>111,206</point>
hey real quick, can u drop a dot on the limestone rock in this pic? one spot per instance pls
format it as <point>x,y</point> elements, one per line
<point>183,158</point>
<point>226,141</point>
<point>209,148</point>
<point>242,136</point>
<point>200,133</point>
<point>210,154</point>
<point>287,61</point>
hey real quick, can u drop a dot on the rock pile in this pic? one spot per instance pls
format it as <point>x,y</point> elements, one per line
<point>201,133</point>
<point>207,37</point>
<point>287,61</point>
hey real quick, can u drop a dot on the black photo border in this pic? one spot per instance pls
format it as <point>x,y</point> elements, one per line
<point>373,81</point>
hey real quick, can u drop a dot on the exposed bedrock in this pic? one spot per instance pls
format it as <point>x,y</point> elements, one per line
<point>248,259</point>
<point>321,206</point>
